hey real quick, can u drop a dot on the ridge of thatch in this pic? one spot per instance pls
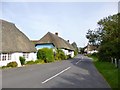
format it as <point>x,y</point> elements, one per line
<point>13,40</point>
<point>56,40</point>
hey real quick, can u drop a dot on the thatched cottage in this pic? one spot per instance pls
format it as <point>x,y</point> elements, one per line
<point>90,49</point>
<point>51,40</point>
<point>14,44</point>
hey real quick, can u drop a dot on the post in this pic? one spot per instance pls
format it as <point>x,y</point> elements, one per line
<point>115,62</point>
<point>119,63</point>
<point>112,60</point>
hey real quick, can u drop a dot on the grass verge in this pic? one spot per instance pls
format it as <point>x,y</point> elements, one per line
<point>108,70</point>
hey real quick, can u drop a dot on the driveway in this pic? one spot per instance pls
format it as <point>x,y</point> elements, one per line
<point>73,73</point>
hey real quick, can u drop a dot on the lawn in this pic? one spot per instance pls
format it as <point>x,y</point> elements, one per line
<point>108,70</point>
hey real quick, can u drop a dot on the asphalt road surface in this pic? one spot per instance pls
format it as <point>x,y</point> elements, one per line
<point>74,73</point>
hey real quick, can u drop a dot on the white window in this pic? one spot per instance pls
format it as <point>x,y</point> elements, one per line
<point>4,57</point>
<point>0,57</point>
<point>9,56</point>
<point>26,55</point>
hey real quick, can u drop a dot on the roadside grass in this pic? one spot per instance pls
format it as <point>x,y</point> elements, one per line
<point>108,70</point>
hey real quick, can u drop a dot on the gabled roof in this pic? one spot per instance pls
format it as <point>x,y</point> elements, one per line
<point>56,40</point>
<point>92,47</point>
<point>13,40</point>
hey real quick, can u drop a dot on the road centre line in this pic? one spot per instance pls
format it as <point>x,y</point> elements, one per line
<point>56,75</point>
<point>78,61</point>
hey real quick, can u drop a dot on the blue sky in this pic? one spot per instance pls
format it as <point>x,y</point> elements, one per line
<point>70,20</point>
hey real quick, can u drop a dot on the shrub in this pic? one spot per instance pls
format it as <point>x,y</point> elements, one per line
<point>22,60</point>
<point>12,64</point>
<point>69,56</point>
<point>60,55</point>
<point>75,52</point>
<point>3,67</point>
<point>39,61</point>
<point>41,54</point>
<point>30,62</point>
<point>45,54</point>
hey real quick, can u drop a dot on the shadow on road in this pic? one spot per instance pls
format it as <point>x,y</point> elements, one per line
<point>84,75</point>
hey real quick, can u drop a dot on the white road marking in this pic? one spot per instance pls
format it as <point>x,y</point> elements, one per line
<point>55,75</point>
<point>78,62</point>
<point>81,57</point>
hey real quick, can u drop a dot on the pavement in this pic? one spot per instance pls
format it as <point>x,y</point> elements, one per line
<point>78,72</point>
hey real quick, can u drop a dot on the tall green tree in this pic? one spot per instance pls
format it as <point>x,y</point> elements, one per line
<point>92,36</point>
<point>107,36</point>
<point>110,38</point>
<point>75,47</point>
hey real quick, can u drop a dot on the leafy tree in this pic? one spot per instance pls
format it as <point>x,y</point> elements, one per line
<point>75,47</point>
<point>110,36</point>
<point>92,36</point>
<point>107,36</point>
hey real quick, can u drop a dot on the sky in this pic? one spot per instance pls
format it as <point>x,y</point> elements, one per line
<point>70,19</point>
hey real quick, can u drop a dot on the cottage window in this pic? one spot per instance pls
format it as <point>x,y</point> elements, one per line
<point>9,56</point>
<point>0,56</point>
<point>25,55</point>
<point>4,57</point>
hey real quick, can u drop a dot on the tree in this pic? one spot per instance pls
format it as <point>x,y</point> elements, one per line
<point>92,36</point>
<point>107,36</point>
<point>110,36</point>
<point>75,47</point>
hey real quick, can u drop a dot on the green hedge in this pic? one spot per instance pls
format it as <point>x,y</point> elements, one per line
<point>45,54</point>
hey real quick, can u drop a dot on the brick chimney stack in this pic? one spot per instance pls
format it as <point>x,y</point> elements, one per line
<point>68,41</point>
<point>56,33</point>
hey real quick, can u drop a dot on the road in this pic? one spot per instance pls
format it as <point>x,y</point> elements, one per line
<point>74,73</point>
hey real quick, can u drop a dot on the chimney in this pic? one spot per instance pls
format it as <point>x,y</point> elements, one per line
<point>67,40</point>
<point>56,33</point>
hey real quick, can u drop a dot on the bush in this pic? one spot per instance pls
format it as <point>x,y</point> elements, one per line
<point>69,57</point>
<point>104,54</point>
<point>60,55</point>
<point>22,60</point>
<point>12,64</point>
<point>3,67</point>
<point>39,61</point>
<point>41,54</point>
<point>45,54</point>
<point>30,62</point>
<point>75,52</point>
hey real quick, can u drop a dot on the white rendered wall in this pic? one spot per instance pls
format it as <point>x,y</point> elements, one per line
<point>15,57</point>
<point>31,56</point>
<point>67,52</point>
<point>93,51</point>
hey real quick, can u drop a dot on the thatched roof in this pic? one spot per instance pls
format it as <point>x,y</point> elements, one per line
<point>92,47</point>
<point>13,40</point>
<point>56,40</point>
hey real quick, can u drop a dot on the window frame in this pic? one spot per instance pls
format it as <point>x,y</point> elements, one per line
<point>4,57</point>
<point>9,56</point>
<point>26,55</point>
